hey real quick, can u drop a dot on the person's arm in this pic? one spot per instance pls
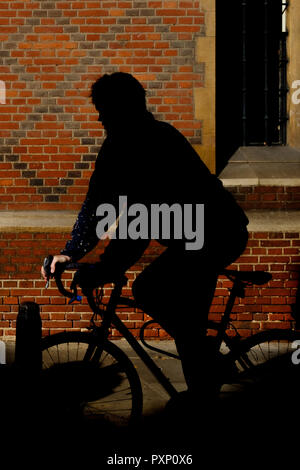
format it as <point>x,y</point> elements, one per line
<point>83,235</point>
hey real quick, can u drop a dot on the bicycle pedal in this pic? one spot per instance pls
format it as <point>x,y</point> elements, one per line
<point>76,298</point>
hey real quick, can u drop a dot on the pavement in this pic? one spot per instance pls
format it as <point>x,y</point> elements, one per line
<point>153,435</point>
<point>224,432</point>
<point>154,395</point>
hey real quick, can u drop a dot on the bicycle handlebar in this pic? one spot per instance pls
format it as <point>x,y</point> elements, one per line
<point>61,267</point>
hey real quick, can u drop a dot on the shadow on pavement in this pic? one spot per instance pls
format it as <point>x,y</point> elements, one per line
<point>256,422</point>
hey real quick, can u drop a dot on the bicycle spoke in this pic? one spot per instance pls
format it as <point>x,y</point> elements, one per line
<point>264,358</point>
<point>106,387</point>
<point>51,357</point>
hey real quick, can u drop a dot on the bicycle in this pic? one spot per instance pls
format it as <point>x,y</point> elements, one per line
<point>102,381</point>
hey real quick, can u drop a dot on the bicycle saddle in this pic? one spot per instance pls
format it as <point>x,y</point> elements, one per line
<point>255,277</point>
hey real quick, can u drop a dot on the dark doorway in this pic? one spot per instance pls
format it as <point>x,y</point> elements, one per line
<point>250,76</point>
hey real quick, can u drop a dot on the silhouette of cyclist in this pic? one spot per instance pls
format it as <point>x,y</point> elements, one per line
<point>151,162</point>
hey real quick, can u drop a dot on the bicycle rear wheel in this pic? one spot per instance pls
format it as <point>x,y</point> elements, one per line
<point>89,381</point>
<point>266,361</point>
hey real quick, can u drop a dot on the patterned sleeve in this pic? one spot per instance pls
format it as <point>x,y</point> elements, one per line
<point>84,237</point>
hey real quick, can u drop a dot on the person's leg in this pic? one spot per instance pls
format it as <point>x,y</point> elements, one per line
<point>156,289</point>
<point>177,291</point>
<point>197,351</point>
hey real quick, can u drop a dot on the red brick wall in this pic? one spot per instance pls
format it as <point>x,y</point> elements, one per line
<point>267,197</point>
<point>267,306</point>
<point>51,52</point>
<point>263,307</point>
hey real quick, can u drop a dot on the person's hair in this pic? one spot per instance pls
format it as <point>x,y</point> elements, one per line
<point>119,89</point>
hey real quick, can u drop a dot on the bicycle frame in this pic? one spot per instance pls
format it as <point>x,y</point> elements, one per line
<point>110,318</point>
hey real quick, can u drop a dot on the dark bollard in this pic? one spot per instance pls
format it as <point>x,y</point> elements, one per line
<point>28,355</point>
<point>21,387</point>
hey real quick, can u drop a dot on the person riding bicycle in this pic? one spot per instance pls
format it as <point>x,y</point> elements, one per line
<point>150,162</point>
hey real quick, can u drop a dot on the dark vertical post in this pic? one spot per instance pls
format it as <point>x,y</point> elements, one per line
<point>28,355</point>
<point>283,87</point>
<point>282,90</point>
<point>266,72</point>
<point>244,73</point>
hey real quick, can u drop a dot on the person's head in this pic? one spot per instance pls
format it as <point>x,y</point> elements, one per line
<point>119,98</point>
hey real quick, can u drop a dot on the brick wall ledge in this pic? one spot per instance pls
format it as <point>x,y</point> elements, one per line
<point>63,221</point>
<point>37,221</point>
<point>273,221</point>
<point>263,166</point>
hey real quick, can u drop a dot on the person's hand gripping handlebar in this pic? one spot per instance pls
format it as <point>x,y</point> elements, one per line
<point>49,266</point>
<point>47,269</point>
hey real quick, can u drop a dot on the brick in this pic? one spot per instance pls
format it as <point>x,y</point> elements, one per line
<point>50,138</point>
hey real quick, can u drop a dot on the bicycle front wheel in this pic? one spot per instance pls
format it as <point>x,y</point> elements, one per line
<point>265,361</point>
<point>87,380</point>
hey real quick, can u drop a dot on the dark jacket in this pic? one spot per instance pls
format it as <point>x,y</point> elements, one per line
<point>151,162</point>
